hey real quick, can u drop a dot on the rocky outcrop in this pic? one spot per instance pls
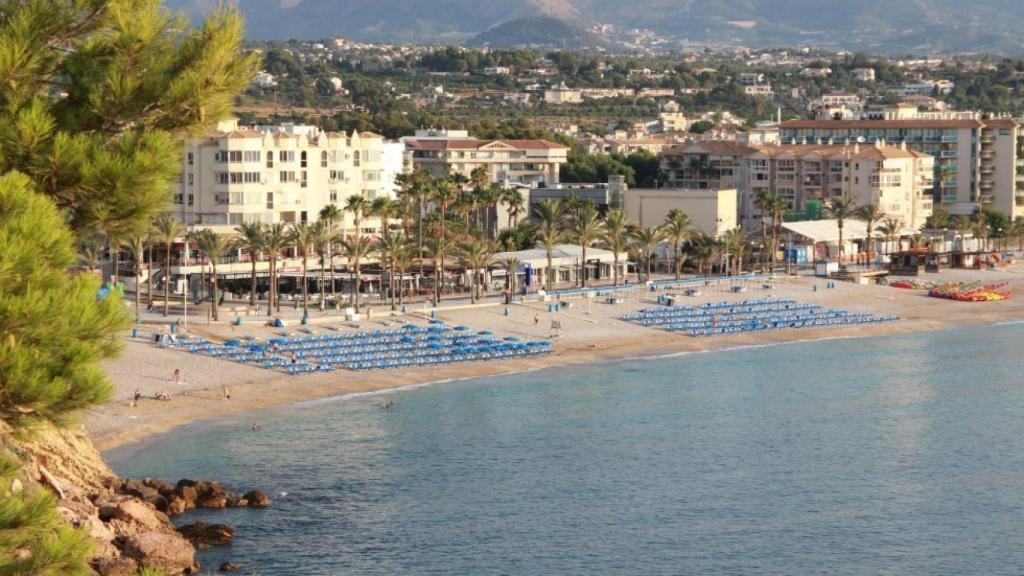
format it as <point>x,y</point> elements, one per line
<point>127,518</point>
<point>205,535</point>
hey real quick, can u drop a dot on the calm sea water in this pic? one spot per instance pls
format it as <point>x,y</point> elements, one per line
<point>901,455</point>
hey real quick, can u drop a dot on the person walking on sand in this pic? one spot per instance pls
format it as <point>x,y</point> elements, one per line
<point>136,397</point>
<point>177,376</point>
<point>227,393</point>
<point>536,319</point>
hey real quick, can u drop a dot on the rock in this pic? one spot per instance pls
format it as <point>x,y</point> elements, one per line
<point>229,567</point>
<point>171,553</point>
<point>205,535</point>
<point>116,566</point>
<point>188,494</point>
<point>164,487</point>
<point>257,499</point>
<point>176,506</point>
<point>236,501</point>
<point>129,516</point>
<point>212,501</point>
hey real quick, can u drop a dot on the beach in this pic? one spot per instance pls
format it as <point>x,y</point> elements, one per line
<point>591,331</point>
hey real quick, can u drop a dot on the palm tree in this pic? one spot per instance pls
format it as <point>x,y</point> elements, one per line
<point>276,239</point>
<point>962,226</point>
<point>304,237</point>
<point>383,208</point>
<point>514,203</point>
<point>511,265</point>
<point>476,256</point>
<point>550,232</point>
<point>616,234</point>
<point>870,213</point>
<point>359,207</point>
<point>777,206</point>
<point>390,244</point>
<point>981,229</point>
<point>402,259</point>
<point>445,191</point>
<point>1017,229</point>
<point>331,214</point>
<point>250,238</point>
<point>587,227</point>
<point>647,241</point>
<point>763,203</point>
<point>214,245</point>
<point>890,229</point>
<point>137,244</point>
<point>677,228</point>
<point>167,229</point>
<point>322,241</point>
<point>356,249</point>
<point>735,244</point>
<point>841,208</point>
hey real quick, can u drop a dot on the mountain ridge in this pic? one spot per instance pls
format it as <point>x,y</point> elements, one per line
<point>938,26</point>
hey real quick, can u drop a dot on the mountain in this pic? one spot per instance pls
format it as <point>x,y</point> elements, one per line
<point>540,32</point>
<point>878,25</point>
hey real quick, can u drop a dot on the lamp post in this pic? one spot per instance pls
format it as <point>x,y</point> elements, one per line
<point>184,271</point>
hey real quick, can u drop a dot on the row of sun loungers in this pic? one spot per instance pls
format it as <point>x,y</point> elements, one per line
<point>407,346</point>
<point>718,318</point>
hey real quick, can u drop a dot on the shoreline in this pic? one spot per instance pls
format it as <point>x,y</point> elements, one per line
<point>601,338</point>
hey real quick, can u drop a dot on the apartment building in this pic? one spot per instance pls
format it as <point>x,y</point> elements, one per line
<point>898,179</point>
<point>863,74</point>
<point>562,94</point>
<point>977,161</point>
<point>509,162</point>
<point>284,173</point>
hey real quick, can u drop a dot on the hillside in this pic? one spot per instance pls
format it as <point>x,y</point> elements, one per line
<point>879,25</point>
<point>539,31</point>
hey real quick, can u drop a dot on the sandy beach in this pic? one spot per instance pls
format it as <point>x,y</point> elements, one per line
<point>591,332</point>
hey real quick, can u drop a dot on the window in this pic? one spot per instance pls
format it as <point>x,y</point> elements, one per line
<point>191,160</point>
<point>323,159</point>
<point>270,200</point>
<point>286,155</point>
<point>302,216</point>
<point>286,176</point>
<point>191,199</point>
<point>191,179</point>
<point>302,159</point>
<point>337,175</point>
<point>251,156</point>
<point>178,198</point>
<point>786,165</point>
<point>221,178</point>
<point>303,180</point>
<point>270,159</point>
<point>334,195</point>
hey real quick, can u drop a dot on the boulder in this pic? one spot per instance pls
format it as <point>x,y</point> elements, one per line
<point>211,495</point>
<point>172,553</point>
<point>237,501</point>
<point>128,516</point>
<point>164,487</point>
<point>177,506</point>
<point>205,535</point>
<point>257,499</point>
<point>229,567</point>
<point>118,566</point>
<point>188,494</point>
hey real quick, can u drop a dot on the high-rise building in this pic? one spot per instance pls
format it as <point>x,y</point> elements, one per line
<point>284,173</point>
<point>978,162</point>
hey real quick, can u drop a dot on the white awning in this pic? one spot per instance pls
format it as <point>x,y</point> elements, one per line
<point>828,230</point>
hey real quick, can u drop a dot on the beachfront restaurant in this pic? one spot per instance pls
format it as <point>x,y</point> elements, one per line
<point>567,264</point>
<point>810,241</point>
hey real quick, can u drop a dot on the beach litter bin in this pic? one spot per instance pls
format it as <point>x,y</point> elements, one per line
<point>135,332</point>
<point>507,311</point>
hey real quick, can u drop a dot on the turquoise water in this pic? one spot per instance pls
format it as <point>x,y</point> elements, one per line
<point>901,455</point>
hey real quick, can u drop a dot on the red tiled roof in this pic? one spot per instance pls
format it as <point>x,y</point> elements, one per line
<point>473,144</point>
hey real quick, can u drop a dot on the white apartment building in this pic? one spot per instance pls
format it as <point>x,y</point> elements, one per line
<point>898,180</point>
<point>863,74</point>
<point>977,161</point>
<point>750,78</point>
<point>562,94</point>
<point>509,162</point>
<point>285,173</point>
<point>759,90</point>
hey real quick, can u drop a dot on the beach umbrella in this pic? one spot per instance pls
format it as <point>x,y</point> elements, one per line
<point>460,328</point>
<point>511,339</point>
<point>485,333</point>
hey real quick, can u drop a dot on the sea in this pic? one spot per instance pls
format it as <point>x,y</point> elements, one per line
<point>899,455</point>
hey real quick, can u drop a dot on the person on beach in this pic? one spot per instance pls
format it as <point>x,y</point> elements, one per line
<point>136,397</point>
<point>227,393</point>
<point>161,395</point>
<point>536,319</point>
<point>177,375</point>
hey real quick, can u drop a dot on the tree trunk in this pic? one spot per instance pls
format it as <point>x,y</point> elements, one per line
<point>355,284</point>
<point>216,299</point>
<point>273,285</point>
<point>138,290</point>
<point>550,272</point>
<point>678,253</point>
<point>252,284</point>
<point>167,281</point>
<point>583,266</point>
<point>305,285</point>
<point>149,278</point>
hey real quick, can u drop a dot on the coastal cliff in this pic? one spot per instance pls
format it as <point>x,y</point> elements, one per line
<point>128,520</point>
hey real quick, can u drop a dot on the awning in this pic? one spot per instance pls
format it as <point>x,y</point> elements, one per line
<point>828,230</point>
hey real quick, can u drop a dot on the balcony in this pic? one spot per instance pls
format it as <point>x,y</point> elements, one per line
<point>988,138</point>
<point>949,198</point>
<point>987,154</point>
<point>986,185</point>
<point>948,154</point>
<point>987,169</point>
<point>948,138</point>
<point>948,183</point>
<point>986,198</point>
